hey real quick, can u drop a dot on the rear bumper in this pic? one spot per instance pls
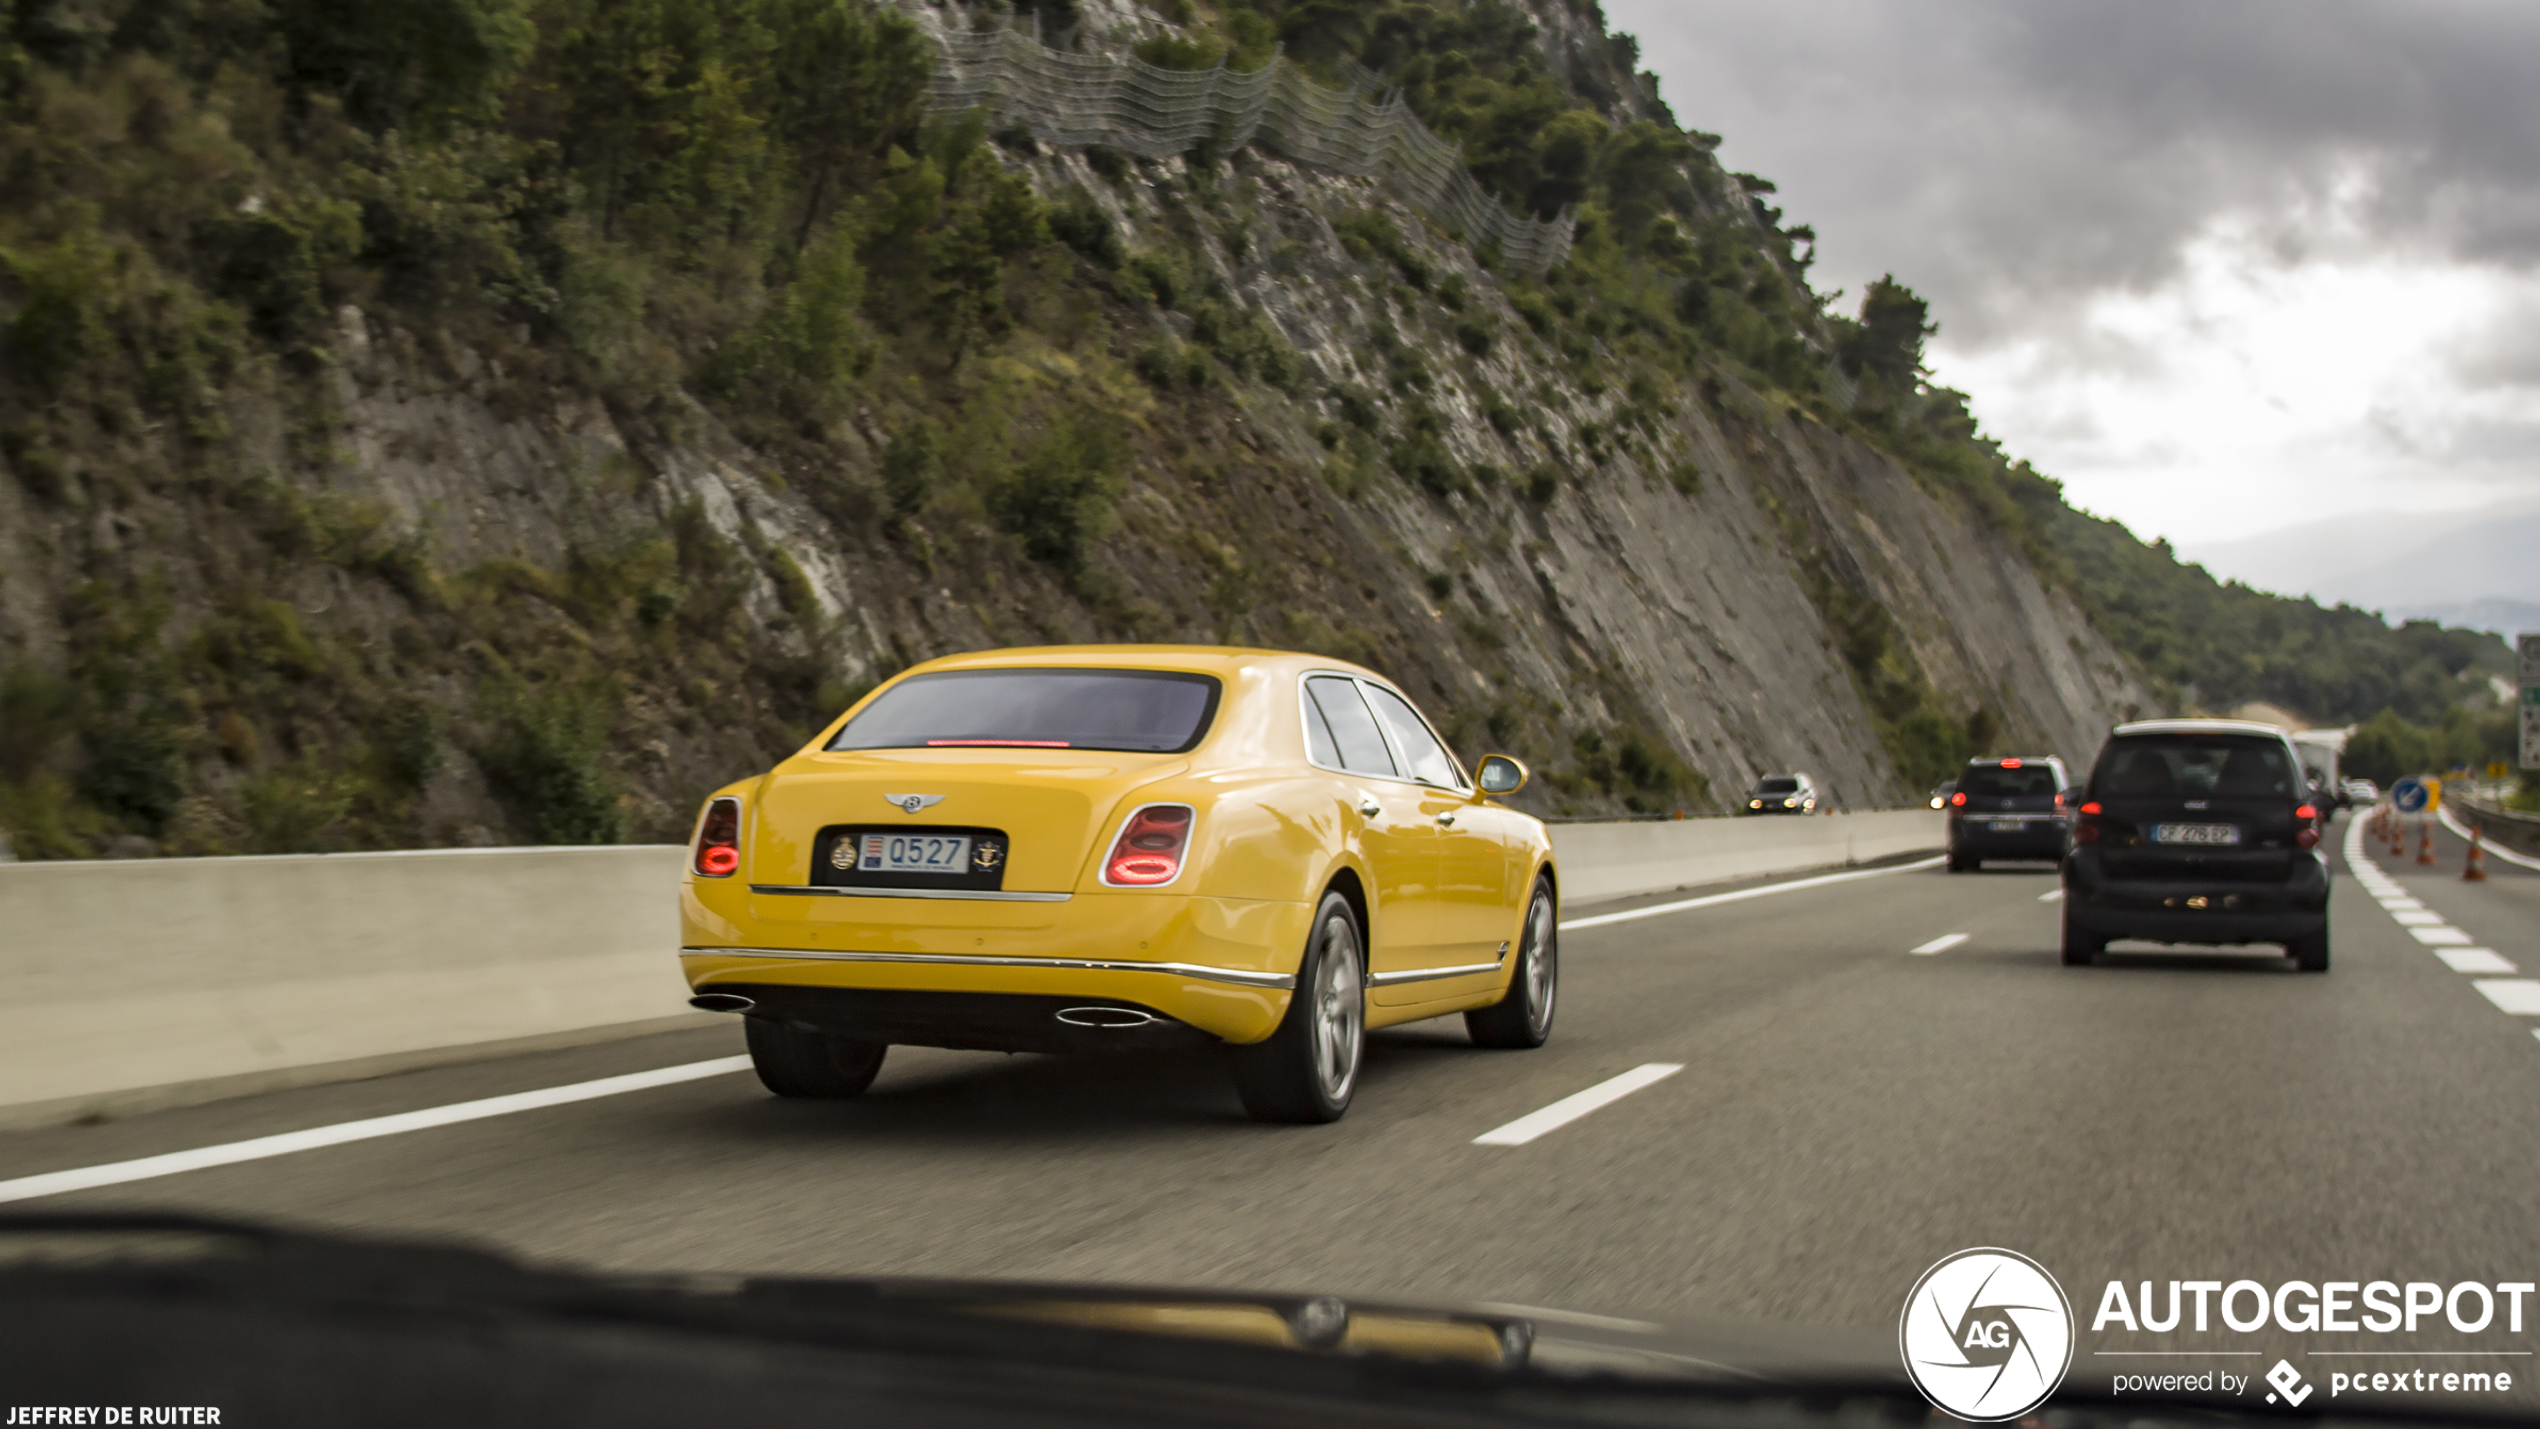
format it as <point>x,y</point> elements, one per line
<point>1975,837</point>
<point>980,1021</point>
<point>1220,965</point>
<point>2197,912</point>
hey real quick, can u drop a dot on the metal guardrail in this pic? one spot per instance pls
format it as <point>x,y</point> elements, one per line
<point>1072,101</point>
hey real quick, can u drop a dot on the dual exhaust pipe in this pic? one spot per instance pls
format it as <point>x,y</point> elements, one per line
<point>1102,1018</point>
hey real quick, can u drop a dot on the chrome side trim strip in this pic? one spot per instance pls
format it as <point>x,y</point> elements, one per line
<point>962,895</point>
<point>1240,977</point>
<point>1431,974</point>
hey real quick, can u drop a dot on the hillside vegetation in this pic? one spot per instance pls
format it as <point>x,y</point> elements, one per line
<point>734,220</point>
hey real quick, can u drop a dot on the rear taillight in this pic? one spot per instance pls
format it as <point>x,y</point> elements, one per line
<point>1957,801</point>
<point>1149,851</point>
<point>2307,836</point>
<point>2091,808</point>
<point>2306,812</point>
<point>2086,828</point>
<point>719,839</point>
<point>2010,764</point>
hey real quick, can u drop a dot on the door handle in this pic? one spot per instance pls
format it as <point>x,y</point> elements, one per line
<point>1370,808</point>
<point>1446,818</point>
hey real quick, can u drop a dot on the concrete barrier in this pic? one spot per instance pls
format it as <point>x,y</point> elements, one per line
<point>1600,861</point>
<point>126,985</point>
<point>131,984</point>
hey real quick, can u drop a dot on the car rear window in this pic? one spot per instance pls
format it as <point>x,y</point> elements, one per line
<point>2194,766</point>
<point>1780,785</point>
<point>1145,711</point>
<point>1992,781</point>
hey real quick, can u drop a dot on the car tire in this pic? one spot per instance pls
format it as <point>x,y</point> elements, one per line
<point>1523,1016</point>
<point>2080,944</point>
<point>1958,864</point>
<point>2309,954</point>
<point>1307,1070</point>
<point>798,1062</point>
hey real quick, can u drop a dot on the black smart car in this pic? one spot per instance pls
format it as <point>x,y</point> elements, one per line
<point>2197,831</point>
<point>2007,808</point>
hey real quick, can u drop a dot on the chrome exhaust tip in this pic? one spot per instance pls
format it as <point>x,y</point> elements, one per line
<point>721,1002</point>
<point>1108,1018</point>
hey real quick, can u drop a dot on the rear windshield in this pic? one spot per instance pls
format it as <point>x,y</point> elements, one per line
<point>1992,781</point>
<point>2195,766</point>
<point>1779,784</point>
<point>1147,711</point>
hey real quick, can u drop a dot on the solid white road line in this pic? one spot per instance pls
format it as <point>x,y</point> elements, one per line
<point>2516,995</point>
<point>2508,855</point>
<point>2475,960</point>
<point>2439,937</point>
<point>115,1173</point>
<point>2050,895</point>
<point>1628,914</point>
<point>1570,1108</point>
<point>1941,944</point>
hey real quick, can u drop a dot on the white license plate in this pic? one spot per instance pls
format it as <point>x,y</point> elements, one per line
<point>914,853</point>
<point>2006,826</point>
<point>2196,833</point>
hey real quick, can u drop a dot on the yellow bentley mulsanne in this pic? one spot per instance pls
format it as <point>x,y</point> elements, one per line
<point>1091,847</point>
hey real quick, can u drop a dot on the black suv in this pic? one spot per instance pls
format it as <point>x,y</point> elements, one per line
<point>2007,808</point>
<point>2197,831</point>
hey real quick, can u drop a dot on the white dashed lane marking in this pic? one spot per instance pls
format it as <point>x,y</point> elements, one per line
<point>2475,960</point>
<point>2439,937</point>
<point>2520,996</point>
<point>2051,895</point>
<point>1941,944</point>
<point>2417,917</point>
<point>1570,1108</point>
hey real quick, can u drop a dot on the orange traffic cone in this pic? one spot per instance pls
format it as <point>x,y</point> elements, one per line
<point>2425,843</point>
<point>2477,870</point>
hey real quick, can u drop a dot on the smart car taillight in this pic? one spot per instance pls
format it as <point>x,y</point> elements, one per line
<point>2307,836</point>
<point>2086,828</point>
<point>719,839</point>
<point>1957,801</point>
<point>1149,851</point>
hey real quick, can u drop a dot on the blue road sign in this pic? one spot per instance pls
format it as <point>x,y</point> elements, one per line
<point>2410,796</point>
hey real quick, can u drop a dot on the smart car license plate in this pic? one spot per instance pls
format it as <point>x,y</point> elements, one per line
<point>913,853</point>
<point>2196,833</point>
<point>2006,826</point>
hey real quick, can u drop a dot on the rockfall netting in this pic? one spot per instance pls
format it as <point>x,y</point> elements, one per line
<point>1073,101</point>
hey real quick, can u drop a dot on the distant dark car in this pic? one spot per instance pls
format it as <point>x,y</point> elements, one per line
<point>2197,831</point>
<point>1782,794</point>
<point>1940,793</point>
<point>2007,808</point>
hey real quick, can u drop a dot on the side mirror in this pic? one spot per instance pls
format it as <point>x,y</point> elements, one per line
<point>1500,774</point>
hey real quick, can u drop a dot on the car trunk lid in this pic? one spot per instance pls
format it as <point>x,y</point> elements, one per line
<point>1050,806</point>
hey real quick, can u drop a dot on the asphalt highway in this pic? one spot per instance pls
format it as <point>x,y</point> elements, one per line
<point>1848,1108</point>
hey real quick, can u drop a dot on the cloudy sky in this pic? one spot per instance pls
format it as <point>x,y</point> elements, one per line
<point>2221,266</point>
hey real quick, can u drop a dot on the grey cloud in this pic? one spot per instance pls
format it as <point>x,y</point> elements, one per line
<point>2011,160</point>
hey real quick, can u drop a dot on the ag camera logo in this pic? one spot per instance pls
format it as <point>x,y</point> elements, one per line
<point>1986,1335</point>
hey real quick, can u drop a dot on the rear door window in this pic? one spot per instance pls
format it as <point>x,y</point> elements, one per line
<point>1430,763</point>
<point>1143,711</point>
<point>1351,729</point>
<point>2195,766</point>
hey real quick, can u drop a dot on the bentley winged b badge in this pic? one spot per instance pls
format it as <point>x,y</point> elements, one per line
<point>913,803</point>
